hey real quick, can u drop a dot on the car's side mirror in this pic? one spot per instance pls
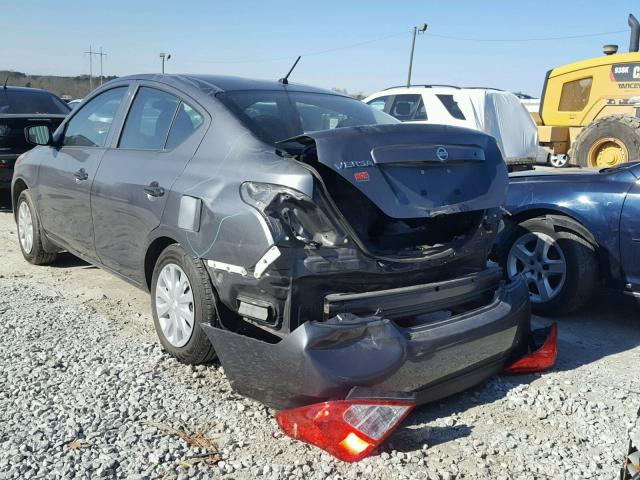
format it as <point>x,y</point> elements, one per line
<point>39,134</point>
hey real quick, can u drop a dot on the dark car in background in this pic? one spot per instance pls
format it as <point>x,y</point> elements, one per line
<point>311,242</point>
<point>20,108</point>
<point>571,232</point>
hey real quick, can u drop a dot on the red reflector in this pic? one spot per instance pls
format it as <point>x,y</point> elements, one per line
<point>347,429</point>
<point>540,360</point>
<point>361,176</point>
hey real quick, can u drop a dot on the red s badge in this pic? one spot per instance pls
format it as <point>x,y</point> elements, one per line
<point>361,176</point>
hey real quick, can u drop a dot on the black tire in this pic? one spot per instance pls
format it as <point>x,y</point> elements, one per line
<point>37,255</point>
<point>198,350</point>
<point>625,128</point>
<point>581,271</point>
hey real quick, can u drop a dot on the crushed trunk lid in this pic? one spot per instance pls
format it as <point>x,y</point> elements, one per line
<point>411,171</point>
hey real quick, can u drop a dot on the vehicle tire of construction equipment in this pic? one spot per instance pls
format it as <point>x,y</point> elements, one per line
<point>536,249</point>
<point>29,233</point>
<point>607,141</point>
<point>181,300</point>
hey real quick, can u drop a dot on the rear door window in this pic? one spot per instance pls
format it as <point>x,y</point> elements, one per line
<point>451,105</point>
<point>187,121</point>
<point>90,126</point>
<point>149,119</point>
<point>408,107</point>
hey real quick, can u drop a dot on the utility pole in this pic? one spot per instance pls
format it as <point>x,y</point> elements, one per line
<point>91,53</point>
<point>101,56</point>
<point>421,29</point>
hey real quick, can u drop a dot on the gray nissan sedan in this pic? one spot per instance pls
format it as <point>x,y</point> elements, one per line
<point>309,241</point>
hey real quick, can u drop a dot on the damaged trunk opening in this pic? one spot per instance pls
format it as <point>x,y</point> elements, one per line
<point>398,194</point>
<point>394,237</point>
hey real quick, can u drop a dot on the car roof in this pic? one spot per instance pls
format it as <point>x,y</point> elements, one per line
<point>26,89</point>
<point>223,83</point>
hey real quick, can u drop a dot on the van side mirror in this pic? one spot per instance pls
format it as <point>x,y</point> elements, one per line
<point>38,134</point>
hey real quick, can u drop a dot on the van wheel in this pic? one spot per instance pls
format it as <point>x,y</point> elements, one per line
<point>181,301</point>
<point>29,232</point>
<point>559,266</point>
<point>607,142</point>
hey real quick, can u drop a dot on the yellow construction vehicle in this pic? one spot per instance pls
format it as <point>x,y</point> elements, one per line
<point>590,110</point>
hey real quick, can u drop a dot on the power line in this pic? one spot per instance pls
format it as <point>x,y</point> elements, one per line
<point>398,34</point>
<point>534,39</point>
<point>312,53</point>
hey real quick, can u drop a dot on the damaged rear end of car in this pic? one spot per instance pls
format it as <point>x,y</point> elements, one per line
<point>378,277</point>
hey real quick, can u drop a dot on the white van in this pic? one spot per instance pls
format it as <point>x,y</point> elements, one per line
<point>496,112</point>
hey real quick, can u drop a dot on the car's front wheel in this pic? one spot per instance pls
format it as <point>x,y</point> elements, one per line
<point>559,266</point>
<point>29,234</point>
<point>182,300</point>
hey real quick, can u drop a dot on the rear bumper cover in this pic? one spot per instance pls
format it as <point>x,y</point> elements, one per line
<point>324,360</point>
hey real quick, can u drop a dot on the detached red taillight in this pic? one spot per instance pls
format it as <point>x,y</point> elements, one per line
<point>540,360</point>
<point>347,429</point>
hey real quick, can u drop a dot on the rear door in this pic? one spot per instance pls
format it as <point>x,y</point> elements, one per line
<point>134,179</point>
<point>66,176</point>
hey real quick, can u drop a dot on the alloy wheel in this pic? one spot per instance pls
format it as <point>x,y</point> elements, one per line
<point>25,227</point>
<point>174,305</point>
<point>541,261</point>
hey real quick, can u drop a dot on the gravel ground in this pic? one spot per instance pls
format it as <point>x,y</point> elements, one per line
<point>86,392</point>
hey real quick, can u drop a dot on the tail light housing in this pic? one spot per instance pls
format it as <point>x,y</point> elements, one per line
<point>541,359</point>
<point>291,214</point>
<point>347,429</point>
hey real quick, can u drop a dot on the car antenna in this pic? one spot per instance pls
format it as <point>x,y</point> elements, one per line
<point>5,82</point>
<point>285,80</point>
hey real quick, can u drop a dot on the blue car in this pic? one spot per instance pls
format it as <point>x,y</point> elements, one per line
<point>570,231</point>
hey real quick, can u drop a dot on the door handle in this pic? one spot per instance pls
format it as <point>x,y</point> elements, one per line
<point>81,175</point>
<point>154,190</point>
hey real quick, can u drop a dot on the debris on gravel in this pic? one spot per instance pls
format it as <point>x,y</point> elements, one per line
<point>81,398</point>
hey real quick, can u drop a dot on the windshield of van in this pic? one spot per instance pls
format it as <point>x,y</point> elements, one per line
<point>274,116</point>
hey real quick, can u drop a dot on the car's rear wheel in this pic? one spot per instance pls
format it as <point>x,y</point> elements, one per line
<point>559,266</point>
<point>29,234</point>
<point>182,300</point>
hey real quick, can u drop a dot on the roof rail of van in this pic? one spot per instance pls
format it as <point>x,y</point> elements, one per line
<point>424,86</point>
<point>486,88</point>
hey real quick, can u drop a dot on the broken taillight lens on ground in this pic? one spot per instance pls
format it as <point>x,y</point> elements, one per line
<point>351,429</point>
<point>539,360</point>
<point>347,429</point>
